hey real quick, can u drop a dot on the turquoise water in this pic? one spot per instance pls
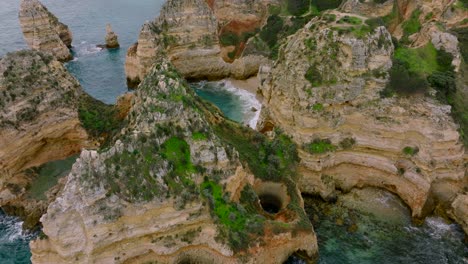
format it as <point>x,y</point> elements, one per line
<point>374,226</point>
<point>235,103</point>
<point>14,243</point>
<point>100,72</point>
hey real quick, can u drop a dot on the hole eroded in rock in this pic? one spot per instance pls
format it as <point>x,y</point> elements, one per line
<point>270,203</point>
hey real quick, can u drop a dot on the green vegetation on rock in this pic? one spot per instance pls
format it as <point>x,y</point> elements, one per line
<point>412,25</point>
<point>238,226</point>
<point>319,146</point>
<point>410,151</point>
<point>98,118</point>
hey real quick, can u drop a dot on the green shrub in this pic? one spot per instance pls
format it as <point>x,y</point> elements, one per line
<point>421,60</point>
<point>410,151</point>
<point>313,76</point>
<point>319,146</point>
<point>350,20</point>
<point>403,81</point>
<point>374,23</point>
<point>317,107</point>
<point>347,143</point>
<point>298,7</point>
<point>269,32</point>
<point>199,136</point>
<point>98,118</point>
<point>271,160</point>
<point>412,25</point>
<point>322,5</point>
<point>229,39</point>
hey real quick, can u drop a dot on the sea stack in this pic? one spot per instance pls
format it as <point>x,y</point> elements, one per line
<point>112,40</point>
<point>43,31</point>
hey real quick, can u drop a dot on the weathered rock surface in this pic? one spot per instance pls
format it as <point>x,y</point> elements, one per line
<point>188,32</point>
<point>43,31</point>
<point>112,40</point>
<point>341,102</point>
<point>460,211</point>
<point>38,118</point>
<point>156,195</point>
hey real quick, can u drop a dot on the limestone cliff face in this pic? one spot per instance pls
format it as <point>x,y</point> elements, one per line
<point>43,32</point>
<point>38,117</point>
<point>430,20</point>
<point>326,85</point>
<point>188,32</point>
<point>156,195</point>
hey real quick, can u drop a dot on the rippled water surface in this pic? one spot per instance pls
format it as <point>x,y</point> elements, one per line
<point>100,72</point>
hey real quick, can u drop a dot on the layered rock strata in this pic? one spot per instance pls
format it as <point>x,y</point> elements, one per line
<point>43,31</point>
<point>324,91</point>
<point>38,118</point>
<point>188,32</point>
<point>167,191</point>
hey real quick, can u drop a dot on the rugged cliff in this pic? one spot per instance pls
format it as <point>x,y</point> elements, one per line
<point>172,189</point>
<point>324,91</point>
<point>43,31</point>
<point>190,31</point>
<point>38,118</point>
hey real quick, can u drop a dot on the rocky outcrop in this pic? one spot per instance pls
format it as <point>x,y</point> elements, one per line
<point>43,31</point>
<point>112,40</point>
<point>460,211</point>
<point>368,8</point>
<point>38,118</point>
<point>169,190</point>
<point>188,32</point>
<point>324,91</point>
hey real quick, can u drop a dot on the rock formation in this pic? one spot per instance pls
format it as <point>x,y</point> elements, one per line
<point>171,190</point>
<point>188,31</point>
<point>43,31</point>
<point>112,41</point>
<point>324,91</point>
<point>38,118</point>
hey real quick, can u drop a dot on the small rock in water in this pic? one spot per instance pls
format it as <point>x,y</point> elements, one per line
<point>111,38</point>
<point>253,109</point>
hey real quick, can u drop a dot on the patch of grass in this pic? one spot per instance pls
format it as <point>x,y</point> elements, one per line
<point>317,107</point>
<point>238,226</point>
<point>350,20</point>
<point>177,152</point>
<point>410,151</point>
<point>421,60</point>
<point>199,136</point>
<point>319,146</point>
<point>412,25</point>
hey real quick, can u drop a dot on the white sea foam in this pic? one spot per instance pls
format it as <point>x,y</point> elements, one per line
<point>248,101</point>
<point>12,228</point>
<point>84,49</point>
<point>438,227</point>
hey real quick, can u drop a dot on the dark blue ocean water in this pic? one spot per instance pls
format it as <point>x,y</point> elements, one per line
<point>101,73</point>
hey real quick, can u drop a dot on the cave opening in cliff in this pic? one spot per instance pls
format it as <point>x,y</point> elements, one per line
<point>270,203</point>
